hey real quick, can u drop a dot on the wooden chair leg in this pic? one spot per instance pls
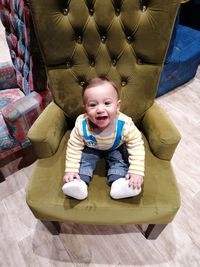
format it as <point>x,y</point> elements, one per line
<point>154,230</point>
<point>53,227</point>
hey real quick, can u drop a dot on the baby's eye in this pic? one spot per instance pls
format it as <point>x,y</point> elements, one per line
<point>107,103</point>
<point>91,105</point>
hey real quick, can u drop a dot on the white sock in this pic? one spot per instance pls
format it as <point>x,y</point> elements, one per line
<point>76,189</point>
<point>121,189</point>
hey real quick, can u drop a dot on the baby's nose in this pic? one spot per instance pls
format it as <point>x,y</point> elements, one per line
<point>100,108</point>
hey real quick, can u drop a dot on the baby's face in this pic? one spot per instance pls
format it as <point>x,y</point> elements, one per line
<point>101,104</point>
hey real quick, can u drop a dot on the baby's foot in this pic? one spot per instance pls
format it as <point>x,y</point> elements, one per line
<point>76,189</point>
<point>121,189</point>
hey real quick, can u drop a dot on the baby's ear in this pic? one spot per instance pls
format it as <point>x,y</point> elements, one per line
<point>118,104</point>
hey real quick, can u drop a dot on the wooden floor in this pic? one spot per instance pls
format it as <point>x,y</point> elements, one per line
<point>25,242</point>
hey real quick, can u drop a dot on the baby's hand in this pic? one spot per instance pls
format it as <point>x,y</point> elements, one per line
<point>70,176</point>
<point>135,180</point>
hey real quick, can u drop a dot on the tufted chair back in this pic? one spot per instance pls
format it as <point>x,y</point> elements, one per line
<point>123,40</point>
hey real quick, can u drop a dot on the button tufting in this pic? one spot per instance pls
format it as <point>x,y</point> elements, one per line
<point>103,38</point>
<point>114,62</point>
<point>79,39</point>
<point>117,11</point>
<point>139,61</point>
<point>82,83</point>
<point>144,8</point>
<point>123,83</point>
<point>129,39</point>
<point>92,63</point>
<point>91,11</point>
<point>68,64</point>
<point>65,11</point>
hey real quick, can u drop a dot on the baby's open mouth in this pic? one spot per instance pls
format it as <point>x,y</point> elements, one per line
<point>101,118</point>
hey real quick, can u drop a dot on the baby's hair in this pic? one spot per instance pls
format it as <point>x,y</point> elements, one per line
<point>97,81</point>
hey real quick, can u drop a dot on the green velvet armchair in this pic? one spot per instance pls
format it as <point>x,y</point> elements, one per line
<point>125,41</point>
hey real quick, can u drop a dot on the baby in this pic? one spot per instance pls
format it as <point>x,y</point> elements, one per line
<point>103,131</point>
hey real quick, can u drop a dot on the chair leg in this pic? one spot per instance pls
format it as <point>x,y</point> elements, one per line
<point>53,227</point>
<point>151,233</point>
<point>154,230</point>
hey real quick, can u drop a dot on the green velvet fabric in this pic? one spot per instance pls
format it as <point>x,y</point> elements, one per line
<point>125,41</point>
<point>157,204</point>
<point>51,126</point>
<point>161,133</point>
<point>117,39</point>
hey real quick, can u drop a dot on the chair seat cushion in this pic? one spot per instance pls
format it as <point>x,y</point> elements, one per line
<point>157,204</point>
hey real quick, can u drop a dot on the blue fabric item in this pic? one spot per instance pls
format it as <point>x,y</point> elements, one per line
<point>114,159</point>
<point>85,178</point>
<point>91,140</point>
<point>182,60</point>
<point>113,177</point>
<point>120,125</point>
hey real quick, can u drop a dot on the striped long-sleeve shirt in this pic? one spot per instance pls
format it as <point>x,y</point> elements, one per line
<point>122,130</point>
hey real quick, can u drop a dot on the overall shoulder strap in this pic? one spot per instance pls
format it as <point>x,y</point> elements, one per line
<point>89,139</point>
<point>120,125</point>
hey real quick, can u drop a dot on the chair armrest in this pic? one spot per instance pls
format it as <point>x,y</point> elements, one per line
<point>161,133</point>
<point>47,131</point>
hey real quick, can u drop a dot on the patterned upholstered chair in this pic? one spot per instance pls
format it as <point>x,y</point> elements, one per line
<point>20,104</point>
<point>125,41</point>
<point>17,113</point>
